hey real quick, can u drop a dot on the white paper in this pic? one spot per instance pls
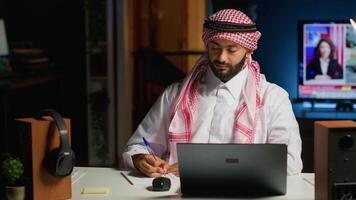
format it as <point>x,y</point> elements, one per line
<point>4,50</point>
<point>136,178</point>
<point>77,174</point>
<point>309,180</point>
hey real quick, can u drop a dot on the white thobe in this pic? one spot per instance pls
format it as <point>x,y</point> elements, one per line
<point>215,118</point>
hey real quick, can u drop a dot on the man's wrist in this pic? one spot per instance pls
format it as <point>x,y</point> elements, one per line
<point>137,157</point>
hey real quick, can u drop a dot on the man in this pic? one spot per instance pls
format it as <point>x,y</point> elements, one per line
<point>224,99</point>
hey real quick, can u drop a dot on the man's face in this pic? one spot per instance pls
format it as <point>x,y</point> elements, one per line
<point>226,58</point>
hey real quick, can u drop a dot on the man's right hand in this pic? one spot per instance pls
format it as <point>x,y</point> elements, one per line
<point>149,166</point>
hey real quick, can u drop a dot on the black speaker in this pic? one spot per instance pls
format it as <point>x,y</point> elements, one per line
<point>335,160</point>
<point>61,160</point>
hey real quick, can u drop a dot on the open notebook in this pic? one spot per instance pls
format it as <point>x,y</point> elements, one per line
<point>136,178</point>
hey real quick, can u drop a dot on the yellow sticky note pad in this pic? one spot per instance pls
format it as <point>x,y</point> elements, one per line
<point>95,190</point>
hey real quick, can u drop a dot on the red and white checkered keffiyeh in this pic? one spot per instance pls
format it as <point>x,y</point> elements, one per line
<point>186,103</point>
<point>246,39</point>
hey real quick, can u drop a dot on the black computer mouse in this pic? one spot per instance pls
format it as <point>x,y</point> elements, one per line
<point>161,184</point>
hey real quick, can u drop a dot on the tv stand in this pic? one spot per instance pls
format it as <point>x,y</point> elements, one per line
<point>344,106</point>
<point>325,110</point>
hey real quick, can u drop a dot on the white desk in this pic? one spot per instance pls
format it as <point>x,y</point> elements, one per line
<point>297,187</point>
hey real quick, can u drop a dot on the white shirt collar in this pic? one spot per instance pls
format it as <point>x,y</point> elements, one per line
<point>234,85</point>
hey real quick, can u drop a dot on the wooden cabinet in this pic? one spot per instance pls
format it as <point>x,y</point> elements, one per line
<point>170,26</point>
<point>170,32</point>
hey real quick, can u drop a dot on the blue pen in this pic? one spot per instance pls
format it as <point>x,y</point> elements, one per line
<point>149,148</point>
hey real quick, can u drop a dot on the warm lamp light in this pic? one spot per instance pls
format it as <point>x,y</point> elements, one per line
<point>353,22</point>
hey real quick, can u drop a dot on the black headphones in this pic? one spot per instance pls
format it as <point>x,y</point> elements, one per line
<point>60,161</point>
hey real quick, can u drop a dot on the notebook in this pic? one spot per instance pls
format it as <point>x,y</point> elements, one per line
<point>242,169</point>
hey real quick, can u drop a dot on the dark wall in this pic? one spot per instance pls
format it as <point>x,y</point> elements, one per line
<point>57,27</point>
<point>277,20</point>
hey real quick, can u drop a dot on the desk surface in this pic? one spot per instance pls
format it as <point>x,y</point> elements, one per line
<point>298,187</point>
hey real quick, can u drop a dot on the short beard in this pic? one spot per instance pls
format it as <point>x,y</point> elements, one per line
<point>224,77</point>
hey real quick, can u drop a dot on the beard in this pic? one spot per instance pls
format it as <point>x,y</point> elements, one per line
<point>232,71</point>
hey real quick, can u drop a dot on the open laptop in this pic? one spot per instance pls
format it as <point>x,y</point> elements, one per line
<point>236,169</point>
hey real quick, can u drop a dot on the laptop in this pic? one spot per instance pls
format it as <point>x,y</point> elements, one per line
<point>236,169</point>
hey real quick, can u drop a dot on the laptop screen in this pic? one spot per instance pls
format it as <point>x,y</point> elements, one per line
<point>256,169</point>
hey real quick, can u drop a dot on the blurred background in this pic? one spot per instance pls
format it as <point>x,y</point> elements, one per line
<point>103,63</point>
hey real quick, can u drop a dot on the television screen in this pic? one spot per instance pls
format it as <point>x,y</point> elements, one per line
<point>327,61</point>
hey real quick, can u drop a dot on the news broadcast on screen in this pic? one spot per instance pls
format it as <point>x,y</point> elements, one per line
<point>327,61</point>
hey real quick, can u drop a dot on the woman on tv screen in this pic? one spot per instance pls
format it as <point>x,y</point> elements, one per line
<point>324,66</point>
